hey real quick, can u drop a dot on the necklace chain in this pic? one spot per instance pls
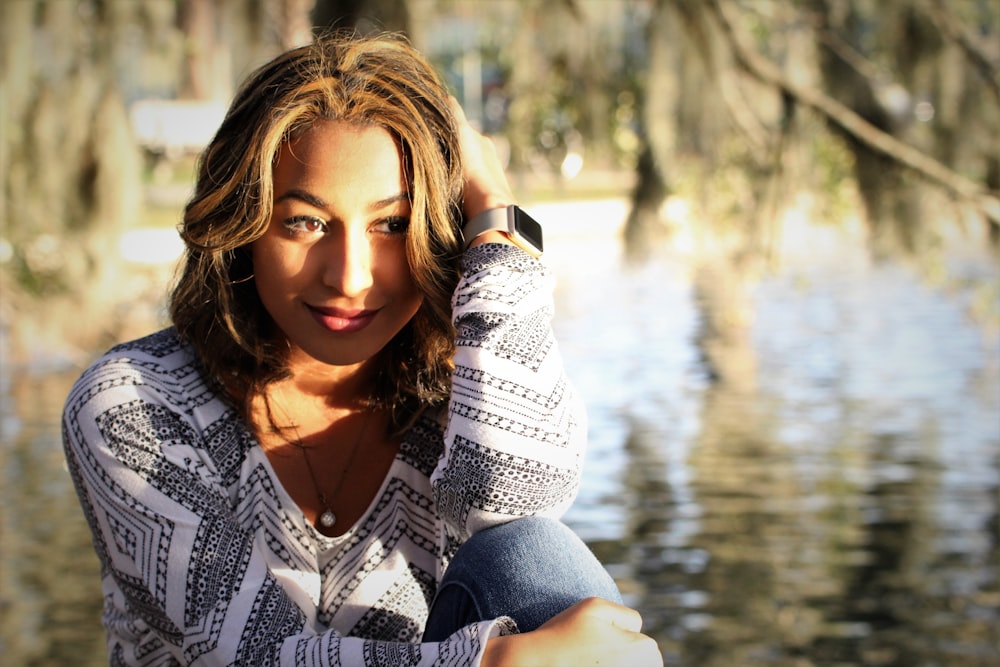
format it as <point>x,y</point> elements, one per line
<point>328,517</point>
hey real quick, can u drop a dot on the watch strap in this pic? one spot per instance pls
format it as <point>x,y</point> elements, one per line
<point>522,230</point>
<point>492,219</point>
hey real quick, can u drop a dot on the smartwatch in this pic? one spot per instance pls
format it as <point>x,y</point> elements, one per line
<point>523,230</point>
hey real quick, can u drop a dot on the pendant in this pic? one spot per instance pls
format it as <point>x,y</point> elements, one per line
<point>327,518</point>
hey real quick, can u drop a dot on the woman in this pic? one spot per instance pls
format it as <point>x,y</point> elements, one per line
<point>352,446</point>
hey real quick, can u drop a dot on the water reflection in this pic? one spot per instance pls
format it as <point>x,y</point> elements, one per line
<point>833,500</point>
<point>834,503</point>
<point>50,599</point>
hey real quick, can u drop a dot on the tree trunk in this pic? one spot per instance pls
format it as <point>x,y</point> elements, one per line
<point>206,73</point>
<point>866,134</point>
<point>363,15</point>
<point>657,102</point>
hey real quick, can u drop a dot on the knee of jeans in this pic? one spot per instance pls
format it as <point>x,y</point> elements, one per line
<point>529,526</point>
<point>492,550</point>
<point>517,535</point>
<point>528,563</point>
<point>527,546</point>
<point>566,548</point>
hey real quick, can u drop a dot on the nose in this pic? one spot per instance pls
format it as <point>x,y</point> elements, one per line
<point>349,266</point>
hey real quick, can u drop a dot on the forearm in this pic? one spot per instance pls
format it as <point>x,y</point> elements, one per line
<point>516,429</point>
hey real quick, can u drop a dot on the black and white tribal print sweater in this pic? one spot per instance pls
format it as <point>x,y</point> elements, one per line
<point>207,560</point>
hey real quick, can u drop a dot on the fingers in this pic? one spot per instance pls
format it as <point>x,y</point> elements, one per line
<point>486,184</point>
<point>457,110</point>
<point>591,632</point>
<point>617,615</point>
<point>624,618</point>
<point>635,648</point>
<point>645,651</point>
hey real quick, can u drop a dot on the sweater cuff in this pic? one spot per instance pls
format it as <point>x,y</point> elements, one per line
<point>486,256</point>
<point>498,627</point>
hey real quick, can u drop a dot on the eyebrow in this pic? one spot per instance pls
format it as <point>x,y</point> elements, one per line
<point>319,202</point>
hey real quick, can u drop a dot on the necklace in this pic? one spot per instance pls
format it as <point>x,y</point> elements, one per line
<point>328,517</point>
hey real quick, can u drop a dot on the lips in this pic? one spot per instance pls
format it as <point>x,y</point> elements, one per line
<point>342,320</point>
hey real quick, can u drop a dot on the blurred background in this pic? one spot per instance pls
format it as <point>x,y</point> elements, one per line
<point>775,228</point>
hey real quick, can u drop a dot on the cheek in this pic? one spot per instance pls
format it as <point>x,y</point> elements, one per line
<point>399,281</point>
<point>396,271</point>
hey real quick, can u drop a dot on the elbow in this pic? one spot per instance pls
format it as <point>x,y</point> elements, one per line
<point>484,487</point>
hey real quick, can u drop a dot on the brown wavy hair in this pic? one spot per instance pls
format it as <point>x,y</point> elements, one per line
<point>375,80</point>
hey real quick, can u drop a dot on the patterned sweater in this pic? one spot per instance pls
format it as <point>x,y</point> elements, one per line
<point>207,560</point>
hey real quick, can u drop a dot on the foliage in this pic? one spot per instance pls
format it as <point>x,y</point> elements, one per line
<point>890,81</point>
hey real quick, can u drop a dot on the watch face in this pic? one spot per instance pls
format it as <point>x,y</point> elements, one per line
<point>528,228</point>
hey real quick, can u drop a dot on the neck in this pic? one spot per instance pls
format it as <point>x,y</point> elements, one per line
<point>311,401</point>
<point>332,387</point>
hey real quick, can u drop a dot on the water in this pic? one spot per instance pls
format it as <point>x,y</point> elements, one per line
<point>838,505</point>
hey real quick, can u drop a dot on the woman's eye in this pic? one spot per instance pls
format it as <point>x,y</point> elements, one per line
<point>394,225</point>
<point>304,224</point>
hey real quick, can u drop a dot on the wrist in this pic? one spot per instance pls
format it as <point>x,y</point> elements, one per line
<point>490,237</point>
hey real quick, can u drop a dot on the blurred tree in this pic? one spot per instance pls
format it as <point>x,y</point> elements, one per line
<point>292,19</point>
<point>362,15</point>
<point>557,78</point>
<point>893,86</point>
<point>205,74</point>
<point>910,91</point>
<point>657,97</point>
<point>70,169</point>
<point>913,84</point>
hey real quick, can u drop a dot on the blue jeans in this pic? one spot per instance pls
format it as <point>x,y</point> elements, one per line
<point>529,569</point>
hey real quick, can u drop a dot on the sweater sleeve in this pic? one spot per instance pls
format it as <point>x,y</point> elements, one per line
<point>516,430</point>
<point>185,570</point>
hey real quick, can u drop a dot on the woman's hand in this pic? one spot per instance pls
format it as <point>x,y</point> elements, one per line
<point>591,632</point>
<point>486,183</point>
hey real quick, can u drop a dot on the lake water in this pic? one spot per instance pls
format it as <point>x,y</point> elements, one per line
<point>840,505</point>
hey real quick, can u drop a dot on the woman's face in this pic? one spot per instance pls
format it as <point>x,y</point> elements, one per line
<point>331,269</point>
